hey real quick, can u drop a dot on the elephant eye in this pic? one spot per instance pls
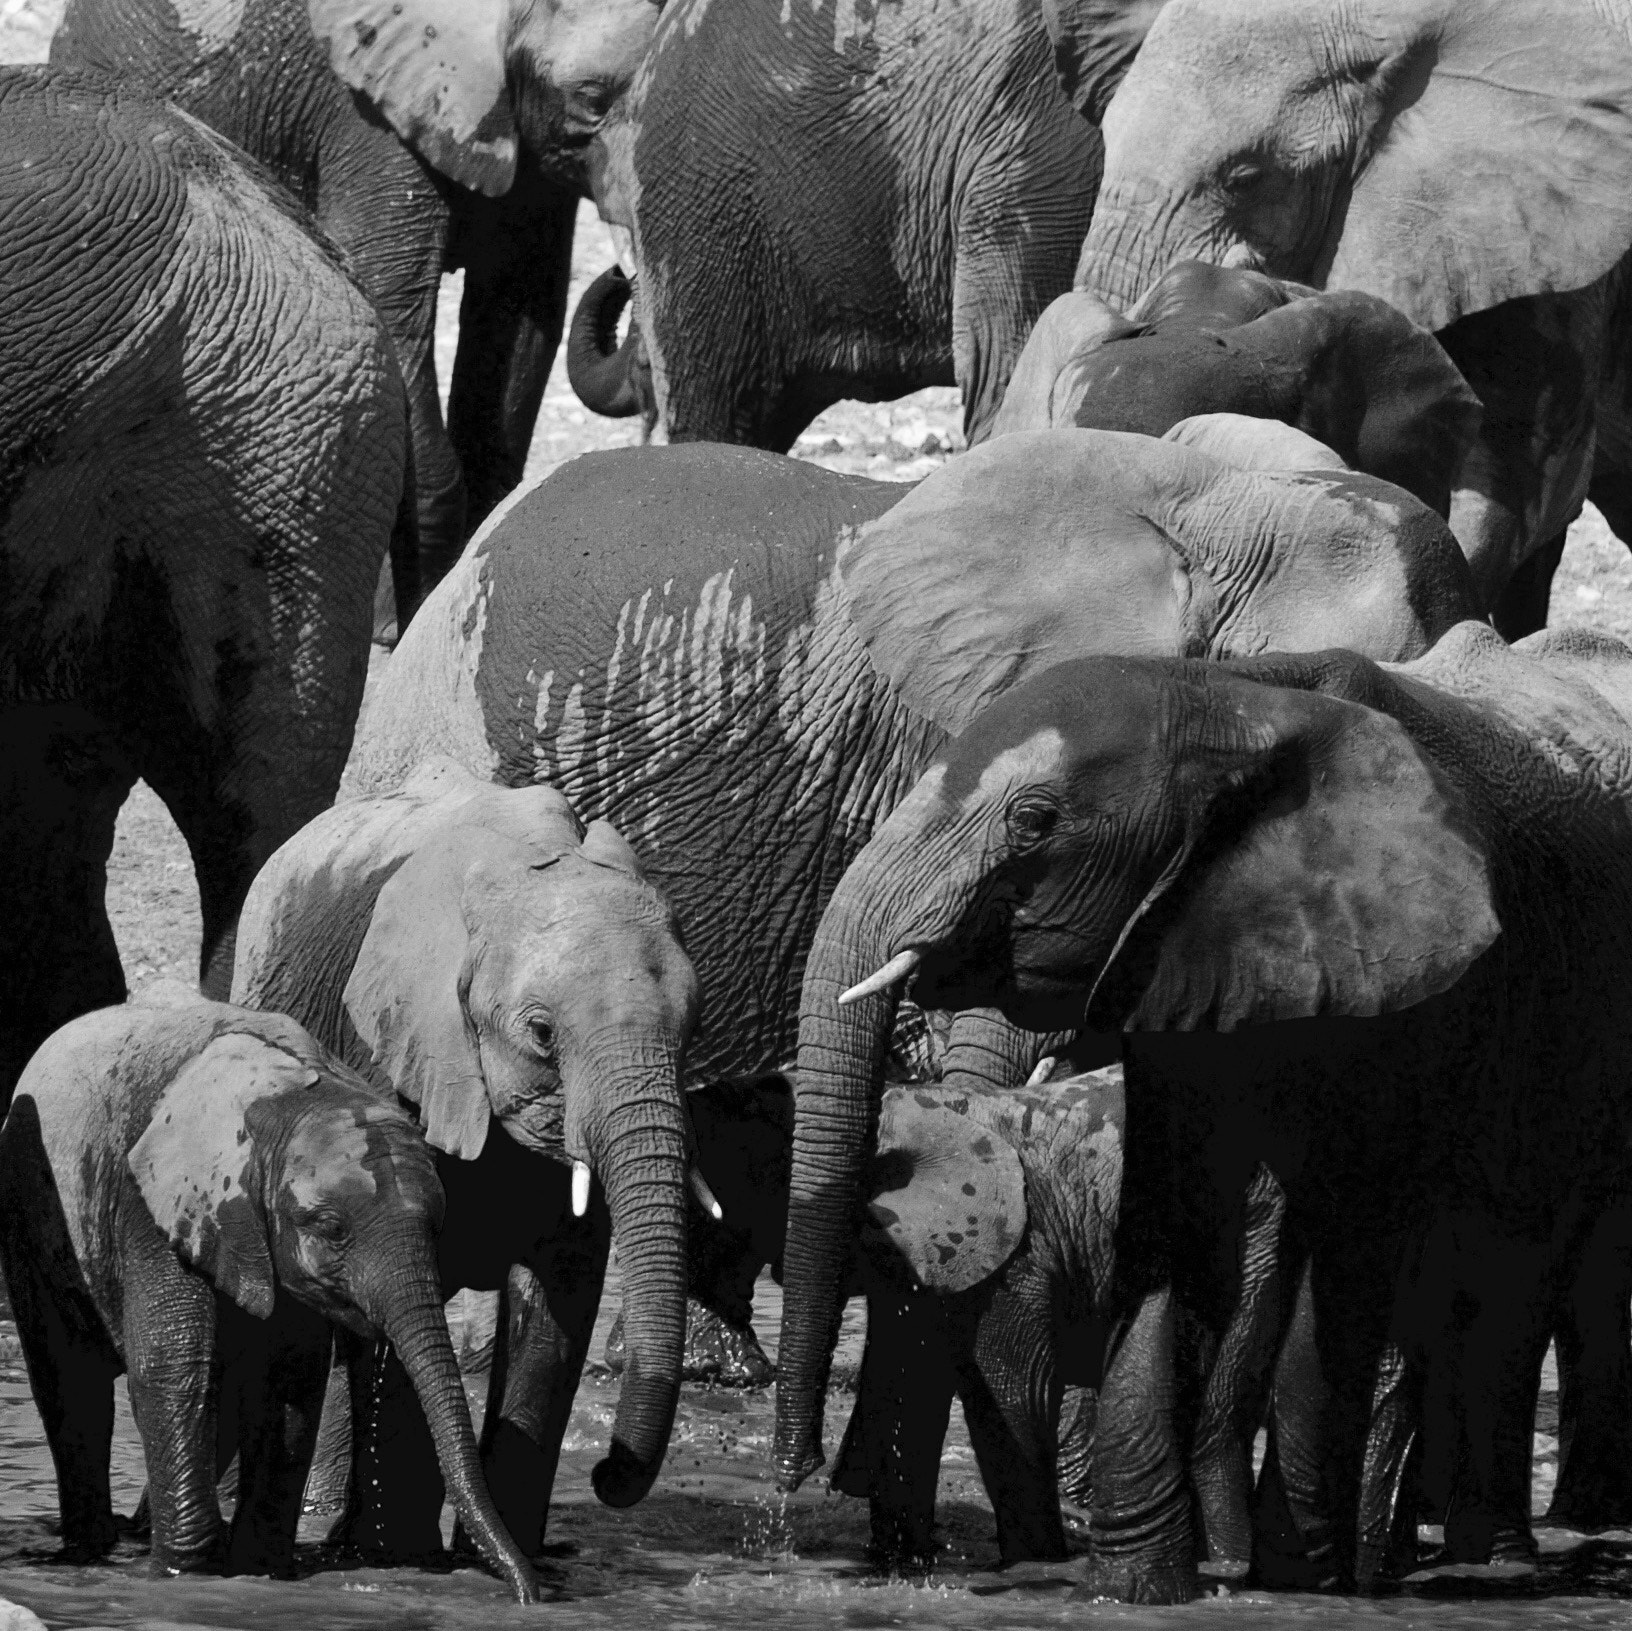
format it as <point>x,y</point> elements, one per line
<point>1242,176</point>
<point>543,1034</point>
<point>1033,821</point>
<point>327,1225</point>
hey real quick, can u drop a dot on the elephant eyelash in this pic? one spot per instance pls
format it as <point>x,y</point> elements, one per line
<point>543,1035</point>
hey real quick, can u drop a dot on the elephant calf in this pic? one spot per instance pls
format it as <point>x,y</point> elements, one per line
<point>192,1194</point>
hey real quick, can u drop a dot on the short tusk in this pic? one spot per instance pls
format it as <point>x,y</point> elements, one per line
<point>1045,1068</point>
<point>892,973</point>
<point>580,1188</point>
<point>705,1195</point>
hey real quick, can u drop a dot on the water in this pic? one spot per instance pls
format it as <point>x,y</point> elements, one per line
<point>715,1547</point>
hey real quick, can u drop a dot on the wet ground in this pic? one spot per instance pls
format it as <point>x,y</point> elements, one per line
<point>714,1546</point>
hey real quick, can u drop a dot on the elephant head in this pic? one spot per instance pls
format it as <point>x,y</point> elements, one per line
<point>468,83</point>
<point>1342,366</point>
<point>272,1169</point>
<point>1443,155</point>
<point>490,958</point>
<point>1128,845</point>
<point>1142,546</point>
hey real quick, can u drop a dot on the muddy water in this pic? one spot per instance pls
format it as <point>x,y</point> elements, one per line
<point>713,1546</point>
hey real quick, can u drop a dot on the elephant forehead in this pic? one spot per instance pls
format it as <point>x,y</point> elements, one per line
<point>336,1153</point>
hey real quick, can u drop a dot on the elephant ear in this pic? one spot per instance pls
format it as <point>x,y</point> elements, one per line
<point>948,1195</point>
<point>1498,169</point>
<point>1253,444</point>
<point>1027,551</point>
<point>436,70</point>
<point>1094,41</point>
<point>406,995</point>
<point>1331,869</point>
<point>193,1163</point>
<point>1071,326</point>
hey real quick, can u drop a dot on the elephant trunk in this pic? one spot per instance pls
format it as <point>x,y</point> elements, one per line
<point>841,1055</point>
<point>1121,256</point>
<point>635,1136</point>
<point>408,1308</point>
<point>605,375</point>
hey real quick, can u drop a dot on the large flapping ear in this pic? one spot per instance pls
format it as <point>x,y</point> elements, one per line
<point>606,846</point>
<point>192,1164</point>
<point>1332,869</point>
<point>1253,444</point>
<point>1094,41</point>
<point>1499,159</point>
<point>1024,552</point>
<point>1377,387</point>
<point>948,1197</point>
<point>1071,326</point>
<point>407,990</point>
<point>436,71</point>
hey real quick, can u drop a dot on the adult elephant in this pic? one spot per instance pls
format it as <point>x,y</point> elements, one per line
<point>1277,878</point>
<point>1459,159</point>
<point>477,952</point>
<point>850,204</point>
<point>714,647</point>
<point>1342,366</point>
<point>202,446</point>
<point>425,136</point>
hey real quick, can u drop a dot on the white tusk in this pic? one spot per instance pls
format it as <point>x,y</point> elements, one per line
<point>580,1188</point>
<point>892,973</point>
<point>1045,1067</point>
<point>705,1195</point>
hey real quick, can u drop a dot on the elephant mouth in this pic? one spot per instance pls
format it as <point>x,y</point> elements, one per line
<point>1035,997</point>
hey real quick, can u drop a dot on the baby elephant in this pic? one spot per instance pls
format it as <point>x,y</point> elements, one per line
<point>192,1193</point>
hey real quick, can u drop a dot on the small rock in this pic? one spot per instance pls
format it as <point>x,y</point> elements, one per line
<point>14,1617</point>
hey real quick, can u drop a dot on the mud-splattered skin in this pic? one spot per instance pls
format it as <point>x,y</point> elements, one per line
<point>496,197</point>
<point>843,200</point>
<point>1379,918</point>
<point>723,716</point>
<point>193,1194</point>
<point>201,459</point>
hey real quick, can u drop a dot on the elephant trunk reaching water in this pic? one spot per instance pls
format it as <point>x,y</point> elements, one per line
<point>638,1150</point>
<point>406,1304</point>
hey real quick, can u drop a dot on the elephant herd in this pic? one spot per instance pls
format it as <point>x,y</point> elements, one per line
<point>1148,906</point>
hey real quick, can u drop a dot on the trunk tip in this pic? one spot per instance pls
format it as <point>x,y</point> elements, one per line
<point>623,1478</point>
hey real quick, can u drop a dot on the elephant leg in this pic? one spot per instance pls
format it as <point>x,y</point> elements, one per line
<point>328,1483</point>
<point>1386,1529</point>
<point>279,1387</point>
<point>1521,608</point>
<point>169,1336</point>
<point>1074,1460</point>
<point>1238,1383</point>
<point>517,256</point>
<point>1141,1524</point>
<point>1009,1382</point>
<point>1503,1308</point>
<point>543,1340</point>
<point>1593,1338</point>
<point>63,776</point>
<point>891,1451</point>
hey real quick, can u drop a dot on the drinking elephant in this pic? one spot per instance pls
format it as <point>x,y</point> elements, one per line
<point>1278,878</point>
<point>1342,366</point>
<point>192,1195</point>
<point>416,159</point>
<point>717,648</point>
<point>1461,161</point>
<point>839,205</point>
<point>202,445</point>
<point>515,976</point>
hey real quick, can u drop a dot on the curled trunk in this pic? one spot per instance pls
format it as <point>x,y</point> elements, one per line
<point>841,1055</point>
<point>636,1138</point>
<point>605,375</point>
<point>409,1311</point>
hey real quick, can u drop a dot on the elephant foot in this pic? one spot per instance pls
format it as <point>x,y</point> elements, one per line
<point>1592,1505</point>
<point>1479,1537</point>
<point>1131,1580</point>
<point>259,1554</point>
<point>91,1541</point>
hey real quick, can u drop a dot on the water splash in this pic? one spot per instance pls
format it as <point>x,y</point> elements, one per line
<point>767,1534</point>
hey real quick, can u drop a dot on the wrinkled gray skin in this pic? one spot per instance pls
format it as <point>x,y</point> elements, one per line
<point>839,203</point>
<point>416,161</point>
<point>1304,872</point>
<point>202,444</point>
<point>1459,159</point>
<point>192,1195</point>
<point>517,978</point>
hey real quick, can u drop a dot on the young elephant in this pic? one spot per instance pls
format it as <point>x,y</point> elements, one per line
<point>192,1194</point>
<point>1342,366</point>
<point>515,976</point>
